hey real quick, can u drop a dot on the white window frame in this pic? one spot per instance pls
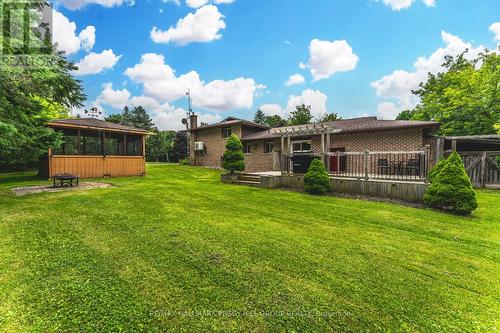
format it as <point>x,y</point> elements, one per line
<point>300,151</point>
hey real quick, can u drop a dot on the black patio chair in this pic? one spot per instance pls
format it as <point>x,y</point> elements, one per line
<point>383,166</point>
<point>412,167</point>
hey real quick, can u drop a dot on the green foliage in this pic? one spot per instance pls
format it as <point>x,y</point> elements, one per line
<point>465,98</point>
<point>160,146</point>
<point>436,169</point>
<point>31,96</point>
<point>184,162</point>
<point>405,115</point>
<point>260,117</point>
<point>330,117</point>
<point>316,180</point>
<point>137,117</point>
<point>233,159</point>
<point>451,189</point>
<point>180,145</point>
<point>301,116</point>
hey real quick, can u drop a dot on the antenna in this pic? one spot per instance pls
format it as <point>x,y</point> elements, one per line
<point>190,107</point>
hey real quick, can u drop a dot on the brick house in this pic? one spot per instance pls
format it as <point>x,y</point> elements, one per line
<point>264,147</point>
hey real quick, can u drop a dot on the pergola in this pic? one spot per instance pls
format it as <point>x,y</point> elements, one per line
<point>322,130</point>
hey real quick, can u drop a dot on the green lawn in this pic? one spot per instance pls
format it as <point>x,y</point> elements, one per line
<point>179,251</point>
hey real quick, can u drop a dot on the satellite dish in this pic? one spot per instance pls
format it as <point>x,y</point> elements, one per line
<point>184,121</point>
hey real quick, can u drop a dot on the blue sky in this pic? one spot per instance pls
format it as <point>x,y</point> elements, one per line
<point>356,58</point>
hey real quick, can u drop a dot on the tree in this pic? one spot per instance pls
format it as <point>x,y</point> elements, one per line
<point>405,115</point>
<point>180,145</point>
<point>301,116</point>
<point>316,180</point>
<point>32,95</point>
<point>233,159</point>
<point>329,117</point>
<point>160,145</point>
<point>276,121</point>
<point>465,98</point>
<point>260,117</point>
<point>451,189</point>
<point>436,169</point>
<point>137,117</point>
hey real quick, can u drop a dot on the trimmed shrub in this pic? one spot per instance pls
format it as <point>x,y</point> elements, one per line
<point>451,189</point>
<point>316,180</point>
<point>436,169</point>
<point>233,159</point>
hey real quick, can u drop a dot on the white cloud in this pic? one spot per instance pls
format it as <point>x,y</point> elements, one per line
<point>295,79</point>
<point>315,98</point>
<point>327,58</point>
<point>64,34</point>
<point>272,109</point>
<point>495,28</point>
<point>95,63</point>
<point>201,3</point>
<point>87,38</point>
<point>115,98</point>
<point>202,26</point>
<point>161,82</point>
<point>79,4</point>
<point>388,111</point>
<point>397,5</point>
<point>398,85</point>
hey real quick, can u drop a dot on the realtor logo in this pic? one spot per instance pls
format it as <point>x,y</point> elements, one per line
<point>25,30</point>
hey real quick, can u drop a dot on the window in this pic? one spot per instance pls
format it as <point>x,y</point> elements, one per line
<point>134,145</point>
<point>91,143</point>
<point>226,132</point>
<point>301,146</point>
<point>246,148</point>
<point>268,147</point>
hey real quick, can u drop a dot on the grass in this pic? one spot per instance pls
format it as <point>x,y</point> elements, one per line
<point>179,251</point>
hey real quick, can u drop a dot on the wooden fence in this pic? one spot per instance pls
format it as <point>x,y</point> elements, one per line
<point>482,168</point>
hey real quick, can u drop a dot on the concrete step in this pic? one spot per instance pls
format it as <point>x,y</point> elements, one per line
<point>251,178</point>
<point>247,183</point>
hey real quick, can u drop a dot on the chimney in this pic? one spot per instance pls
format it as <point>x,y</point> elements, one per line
<point>193,121</point>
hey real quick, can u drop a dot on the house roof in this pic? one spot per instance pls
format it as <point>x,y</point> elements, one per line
<point>232,121</point>
<point>95,124</point>
<point>366,124</point>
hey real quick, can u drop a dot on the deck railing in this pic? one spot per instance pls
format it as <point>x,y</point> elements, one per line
<point>390,165</point>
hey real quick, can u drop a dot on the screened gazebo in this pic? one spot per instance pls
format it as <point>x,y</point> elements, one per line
<point>93,148</point>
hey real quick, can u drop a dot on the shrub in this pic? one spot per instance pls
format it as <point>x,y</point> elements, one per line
<point>316,180</point>
<point>233,159</point>
<point>184,162</point>
<point>436,169</point>
<point>451,189</point>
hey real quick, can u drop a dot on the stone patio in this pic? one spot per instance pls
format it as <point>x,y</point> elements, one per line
<point>20,191</point>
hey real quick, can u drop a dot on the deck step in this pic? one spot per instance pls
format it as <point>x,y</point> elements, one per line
<point>247,183</point>
<point>252,178</point>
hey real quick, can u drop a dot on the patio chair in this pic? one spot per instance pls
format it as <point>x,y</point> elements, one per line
<point>383,166</point>
<point>412,167</point>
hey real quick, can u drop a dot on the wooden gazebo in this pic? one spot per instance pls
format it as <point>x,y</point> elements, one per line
<point>93,148</point>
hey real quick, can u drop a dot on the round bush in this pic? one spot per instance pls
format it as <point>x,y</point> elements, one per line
<point>316,180</point>
<point>451,189</point>
<point>233,159</point>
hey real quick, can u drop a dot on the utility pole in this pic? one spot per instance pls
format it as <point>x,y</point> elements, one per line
<point>188,124</point>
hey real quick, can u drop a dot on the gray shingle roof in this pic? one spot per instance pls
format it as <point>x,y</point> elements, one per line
<point>93,123</point>
<point>366,124</point>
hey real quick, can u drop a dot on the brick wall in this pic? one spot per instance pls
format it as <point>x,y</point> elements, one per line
<point>390,140</point>
<point>257,160</point>
<point>215,146</point>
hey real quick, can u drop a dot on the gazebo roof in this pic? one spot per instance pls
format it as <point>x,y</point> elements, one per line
<point>96,125</point>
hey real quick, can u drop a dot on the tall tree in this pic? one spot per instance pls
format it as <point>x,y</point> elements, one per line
<point>260,117</point>
<point>180,145</point>
<point>301,116</point>
<point>136,117</point>
<point>160,145</point>
<point>465,98</point>
<point>32,94</point>
<point>329,117</point>
<point>276,121</point>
